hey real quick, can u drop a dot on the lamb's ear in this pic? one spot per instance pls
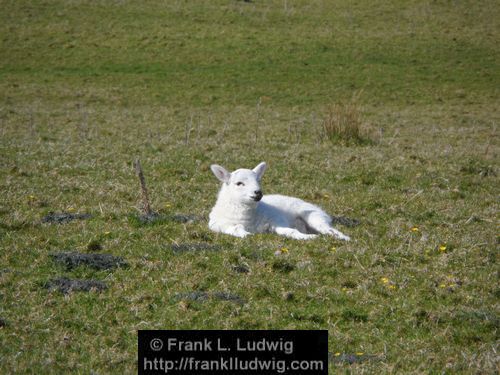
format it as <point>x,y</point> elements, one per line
<point>260,169</point>
<point>221,173</point>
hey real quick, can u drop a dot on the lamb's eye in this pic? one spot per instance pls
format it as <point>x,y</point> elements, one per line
<point>240,184</point>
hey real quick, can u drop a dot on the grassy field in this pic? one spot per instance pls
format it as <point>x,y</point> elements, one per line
<point>88,86</point>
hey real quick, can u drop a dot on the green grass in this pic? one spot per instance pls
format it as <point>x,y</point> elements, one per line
<point>86,86</point>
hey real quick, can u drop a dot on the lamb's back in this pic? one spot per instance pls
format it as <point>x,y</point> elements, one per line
<point>292,206</point>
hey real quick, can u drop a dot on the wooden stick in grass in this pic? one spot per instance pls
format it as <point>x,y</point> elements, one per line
<point>146,208</point>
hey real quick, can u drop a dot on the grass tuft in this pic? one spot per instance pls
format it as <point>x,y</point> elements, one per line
<point>343,123</point>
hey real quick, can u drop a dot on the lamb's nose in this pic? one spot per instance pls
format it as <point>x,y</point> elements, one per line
<point>258,193</point>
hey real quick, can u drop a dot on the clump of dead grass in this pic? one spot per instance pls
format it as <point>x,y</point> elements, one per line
<point>343,123</point>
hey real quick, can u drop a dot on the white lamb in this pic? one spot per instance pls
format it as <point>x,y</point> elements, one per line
<point>241,209</point>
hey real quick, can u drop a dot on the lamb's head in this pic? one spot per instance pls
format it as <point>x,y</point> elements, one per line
<point>242,185</point>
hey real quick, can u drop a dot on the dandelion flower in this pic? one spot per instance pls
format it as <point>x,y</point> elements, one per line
<point>392,287</point>
<point>442,248</point>
<point>333,249</point>
<point>284,250</point>
<point>337,354</point>
<point>415,229</point>
<point>385,280</point>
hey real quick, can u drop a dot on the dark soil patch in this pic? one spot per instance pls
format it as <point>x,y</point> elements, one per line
<point>224,296</point>
<point>197,246</point>
<point>346,221</point>
<point>94,245</point>
<point>180,218</point>
<point>98,261</point>
<point>289,296</point>
<point>200,296</point>
<point>240,268</point>
<point>283,266</point>
<point>150,218</point>
<point>352,358</point>
<point>65,285</point>
<point>63,217</point>
<point>3,323</point>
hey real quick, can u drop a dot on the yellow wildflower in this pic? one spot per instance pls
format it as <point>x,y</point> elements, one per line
<point>359,353</point>
<point>284,250</point>
<point>442,248</point>
<point>385,280</point>
<point>333,249</point>
<point>392,286</point>
<point>442,285</point>
<point>337,354</point>
<point>415,229</point>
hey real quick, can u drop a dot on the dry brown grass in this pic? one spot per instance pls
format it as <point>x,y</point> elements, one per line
<point>343,123</point>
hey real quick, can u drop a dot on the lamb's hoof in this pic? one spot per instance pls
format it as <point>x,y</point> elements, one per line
<point>343,237</point>
<point>338,235</point>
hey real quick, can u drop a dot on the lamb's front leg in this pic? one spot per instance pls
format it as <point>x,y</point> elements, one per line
<point>338,234</point>
<point>293,233</point>
<point>321,223</point>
